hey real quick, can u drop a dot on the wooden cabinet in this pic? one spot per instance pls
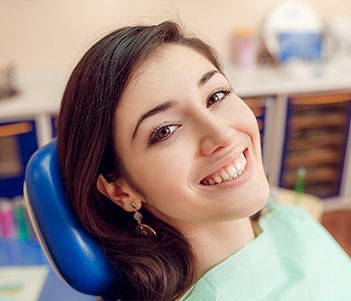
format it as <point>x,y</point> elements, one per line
<point>17,143</point>
<point>317,127</point>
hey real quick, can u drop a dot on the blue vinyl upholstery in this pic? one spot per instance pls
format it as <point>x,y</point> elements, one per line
<point>75,255</point>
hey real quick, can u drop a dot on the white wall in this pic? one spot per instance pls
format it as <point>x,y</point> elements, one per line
<point>53,34</point>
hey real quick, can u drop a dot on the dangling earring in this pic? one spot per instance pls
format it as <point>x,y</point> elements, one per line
<point>142,229</point>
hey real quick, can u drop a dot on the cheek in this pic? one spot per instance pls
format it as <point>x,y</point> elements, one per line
<point>241,117</point>
<point>161,174</point>
<point>251,122</point>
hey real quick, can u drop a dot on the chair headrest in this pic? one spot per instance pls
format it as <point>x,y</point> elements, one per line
<point>74,254</point>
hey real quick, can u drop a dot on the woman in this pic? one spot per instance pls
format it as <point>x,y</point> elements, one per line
<point>162,163</point>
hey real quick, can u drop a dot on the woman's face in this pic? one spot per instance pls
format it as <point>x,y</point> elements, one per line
<point>190,145</point>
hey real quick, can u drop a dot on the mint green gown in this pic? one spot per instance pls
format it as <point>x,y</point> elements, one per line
<point>294,258</point>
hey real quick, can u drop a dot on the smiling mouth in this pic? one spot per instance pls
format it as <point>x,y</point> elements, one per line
<point>227,173</point>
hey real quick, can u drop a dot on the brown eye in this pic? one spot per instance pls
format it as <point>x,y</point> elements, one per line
<point>214,98</point>
<point>217,97</point>
<point>162,133</point>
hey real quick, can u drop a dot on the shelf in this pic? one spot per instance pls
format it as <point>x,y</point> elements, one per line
<point>316,136</point>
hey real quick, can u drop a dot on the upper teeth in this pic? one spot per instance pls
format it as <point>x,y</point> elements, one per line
<point>227,173</point>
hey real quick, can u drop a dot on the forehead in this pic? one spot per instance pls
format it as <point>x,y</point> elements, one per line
<point>169,70</point>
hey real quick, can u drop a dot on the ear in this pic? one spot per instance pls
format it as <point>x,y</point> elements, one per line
<point>118,192</point>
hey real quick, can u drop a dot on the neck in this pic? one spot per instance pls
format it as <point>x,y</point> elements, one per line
<point>217,242</point>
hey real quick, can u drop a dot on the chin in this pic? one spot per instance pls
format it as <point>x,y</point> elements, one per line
<point>261,198</point>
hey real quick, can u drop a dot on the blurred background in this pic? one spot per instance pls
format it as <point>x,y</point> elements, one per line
<point>46,34</point>
<point>289,60</point>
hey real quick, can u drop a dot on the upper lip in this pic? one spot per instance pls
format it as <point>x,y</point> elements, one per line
<point>223,162</point>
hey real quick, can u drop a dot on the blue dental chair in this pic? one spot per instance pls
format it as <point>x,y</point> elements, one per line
<point>75,256</point>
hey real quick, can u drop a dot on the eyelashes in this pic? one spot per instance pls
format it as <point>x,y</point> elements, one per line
<point>168,130</point>
<point>218,96</point>
<point>162,132</point>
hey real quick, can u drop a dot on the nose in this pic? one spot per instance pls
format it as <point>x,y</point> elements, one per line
<point>215,135</point>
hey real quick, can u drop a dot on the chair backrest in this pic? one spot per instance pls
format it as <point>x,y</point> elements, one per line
<point>75,255</point>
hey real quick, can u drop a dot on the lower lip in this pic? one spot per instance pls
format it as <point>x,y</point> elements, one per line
<point>242,178</point>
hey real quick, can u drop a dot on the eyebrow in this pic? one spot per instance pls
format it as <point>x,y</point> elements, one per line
<point>170,104</point>
<point>207,76</point>
<point>161,108</point>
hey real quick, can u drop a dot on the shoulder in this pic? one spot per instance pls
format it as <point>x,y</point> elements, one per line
<point>293,256</point>
<point>288,216</point>
<point>282,220</point>
<point>297,233</point>
<point>306,248</point>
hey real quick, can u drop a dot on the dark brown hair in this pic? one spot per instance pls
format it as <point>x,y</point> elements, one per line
<point>160,269</point>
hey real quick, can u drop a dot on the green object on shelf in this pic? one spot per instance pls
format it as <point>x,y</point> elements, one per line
<point>300,183</point>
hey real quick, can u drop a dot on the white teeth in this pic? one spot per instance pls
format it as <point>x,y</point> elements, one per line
<point>211,182</point>
<point>224,175</point>
<point>228,173</point>
<point>217,178</point>
<point>232,171</point>
<point>239,167</point>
